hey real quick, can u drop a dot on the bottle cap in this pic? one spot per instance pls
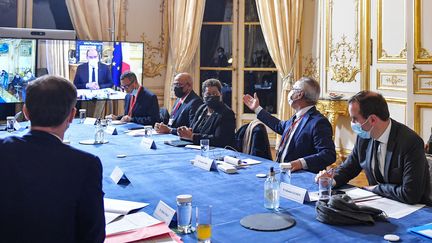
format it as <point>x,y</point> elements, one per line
<point>272,172</point>
<point>184,198</point>
<point>285,166</point>
<point>82,110</point>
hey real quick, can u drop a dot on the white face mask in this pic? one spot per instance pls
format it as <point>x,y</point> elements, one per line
<point>290,97</point>
<point>93,62</point>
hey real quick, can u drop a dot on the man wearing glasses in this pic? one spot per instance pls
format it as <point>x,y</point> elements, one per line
<point>141,105</point>
<point>307,137</point>
<point>184,108</point>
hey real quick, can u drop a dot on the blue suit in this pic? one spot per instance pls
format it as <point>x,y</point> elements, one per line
<point>82,76</point>
<point>146,109</point>
<point>186,112</point>
<point>312,140</point>
<point>50,191</point>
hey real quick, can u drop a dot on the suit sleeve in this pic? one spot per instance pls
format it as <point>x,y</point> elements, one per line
<point>78,81</point>
<point>324,145</point>
<point>224,132</point>
<point>152,113</point>
<point>272,122</point>
<point>90,216</point>
<point>107,79</point>
<point>350,168</point>
<point>413,178</point>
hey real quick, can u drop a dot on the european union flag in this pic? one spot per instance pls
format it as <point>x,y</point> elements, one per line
<point>117,63</point>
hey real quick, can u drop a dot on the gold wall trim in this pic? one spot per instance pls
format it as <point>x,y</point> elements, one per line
<point>311,67</point>
<point>418,75</point>
<point>393,80</point>
<point>421,55</point>
<point>418,106</point>
<point>343,52</point>
<point>398,101</point>
<point>382,56</point>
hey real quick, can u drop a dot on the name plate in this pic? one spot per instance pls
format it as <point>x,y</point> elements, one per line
<point>148,143</point>
<point>89,121</point>
<point>163,212</point>
<point>204,163</point>
<point>118,175</point>
<point>294,193</point>
<point>111,130</point>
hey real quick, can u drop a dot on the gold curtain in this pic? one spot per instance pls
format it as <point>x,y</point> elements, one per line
<point>281,23</point>
<point>93,19</point>
<point>57,60</point>
<point>184,28</point>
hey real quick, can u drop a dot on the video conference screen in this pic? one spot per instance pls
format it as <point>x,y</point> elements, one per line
<point>93,66</point>
<point>17,68</point>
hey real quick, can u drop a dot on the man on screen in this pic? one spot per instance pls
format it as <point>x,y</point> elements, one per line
<point>93,74</point>
<point>51,192</point>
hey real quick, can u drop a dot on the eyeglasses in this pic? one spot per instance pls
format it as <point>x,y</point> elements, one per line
<point>127,85</point>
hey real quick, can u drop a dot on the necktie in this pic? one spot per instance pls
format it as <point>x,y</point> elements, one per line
<point>93,75</point>
<point>285,138</point>
<point>378,176</point>
<point>177,106</point>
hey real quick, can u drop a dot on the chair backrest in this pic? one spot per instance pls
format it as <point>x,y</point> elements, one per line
<point>259,142</point>
<point>164,115</point>
<point>429,159</point>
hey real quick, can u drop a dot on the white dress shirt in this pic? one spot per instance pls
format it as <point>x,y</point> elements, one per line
<point>382,150</point>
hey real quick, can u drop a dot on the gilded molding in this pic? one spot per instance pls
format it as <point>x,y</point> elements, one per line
<point>342,55</point>
<point>311,67</point>
<point>391,79</point>
<point>421,55</point>
<point>419,86</point>
<point>332,109</point>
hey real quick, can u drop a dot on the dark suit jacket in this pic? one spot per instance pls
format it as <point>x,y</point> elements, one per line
<point>82,74</point>
<point>219,127</point>
<point>50,191</point>
<point>406,170</point>
<point>260,145</point>
<point>311,141</point>
<point>186,112</point>
<point>146,109</point>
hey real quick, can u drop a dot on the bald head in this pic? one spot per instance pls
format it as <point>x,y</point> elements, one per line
<point>183,84</point>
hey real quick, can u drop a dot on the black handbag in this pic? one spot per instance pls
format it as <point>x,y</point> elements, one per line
<point>341,210</point>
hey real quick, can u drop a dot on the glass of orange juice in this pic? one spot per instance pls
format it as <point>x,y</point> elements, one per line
<point>203,220</point>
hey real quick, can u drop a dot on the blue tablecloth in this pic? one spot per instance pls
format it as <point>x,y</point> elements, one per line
<point>165,172</point>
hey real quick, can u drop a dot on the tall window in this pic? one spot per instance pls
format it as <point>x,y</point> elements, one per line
<point>233,50</point>
<point>8,13</point>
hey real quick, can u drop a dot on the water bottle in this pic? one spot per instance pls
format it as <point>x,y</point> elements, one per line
<point>99,133</point>
<point>184,213</point>
<point>285,175</point>
<point>271,191</point>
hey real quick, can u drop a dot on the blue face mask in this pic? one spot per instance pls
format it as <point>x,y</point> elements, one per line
<point>357,128</point>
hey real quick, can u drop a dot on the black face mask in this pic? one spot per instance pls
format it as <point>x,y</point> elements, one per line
<point>213,102</point>
<point>178,91</point>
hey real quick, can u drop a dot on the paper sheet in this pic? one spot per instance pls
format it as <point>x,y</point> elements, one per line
<point>109,217</point>
<point>131,222</point>
<point>251,161</point>
<point>140,133</point>
<point>121,206</point>
<point>392,208</point>
<point>155,233</point>
<point>191,146</point>
<point>358,194</point>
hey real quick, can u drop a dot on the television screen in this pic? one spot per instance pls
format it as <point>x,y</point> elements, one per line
<point>17,68</point>
<point>93,66</point>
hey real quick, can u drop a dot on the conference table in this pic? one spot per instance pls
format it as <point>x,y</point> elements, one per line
<point>165,172</point>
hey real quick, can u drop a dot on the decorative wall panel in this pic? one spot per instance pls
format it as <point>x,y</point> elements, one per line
<point>422,31</point>
<point>391,80</point>
<point>391,31</point>
<point>422,82</point>
<point>422,121</point>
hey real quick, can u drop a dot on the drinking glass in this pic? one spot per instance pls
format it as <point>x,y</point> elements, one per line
<point>203,221</point>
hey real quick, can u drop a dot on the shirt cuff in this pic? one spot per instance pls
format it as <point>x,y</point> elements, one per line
<point>258,109</point>
<point>303,163</point>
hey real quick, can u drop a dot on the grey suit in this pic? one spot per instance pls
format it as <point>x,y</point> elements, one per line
<point>406,170</point>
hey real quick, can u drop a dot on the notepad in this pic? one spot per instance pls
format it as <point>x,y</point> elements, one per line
<point>424,230</point>
<point>115,208</point>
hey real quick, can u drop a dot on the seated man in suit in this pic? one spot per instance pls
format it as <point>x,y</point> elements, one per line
<point>93,74</point>
<point>213,120</point>
<point>307,137</point>
<point>184,108</point>
<point>51,192</point>
<point>390,153</point>
<point>141,105</point>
